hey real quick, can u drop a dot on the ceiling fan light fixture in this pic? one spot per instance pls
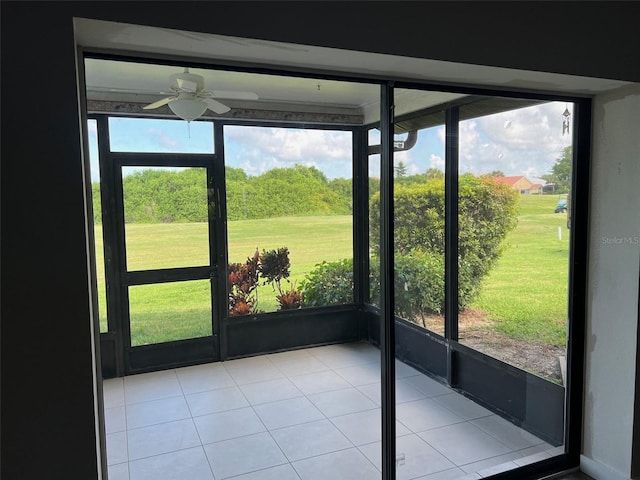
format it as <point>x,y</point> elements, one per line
<point>191,100</point>
<point>188,108</point>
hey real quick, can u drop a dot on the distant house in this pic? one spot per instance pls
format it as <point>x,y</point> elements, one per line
<point>520,183</point>
<point>538,186</point>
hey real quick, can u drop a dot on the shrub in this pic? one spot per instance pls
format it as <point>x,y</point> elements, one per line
<point>329,283</point>
<point>419,282</point>
<point>418,218</point>
<point>486,213</point>
<point>419,285</point>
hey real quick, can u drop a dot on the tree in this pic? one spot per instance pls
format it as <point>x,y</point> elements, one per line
<point>561,171</point>
<point>434,173</point>
<point>400,169</point>
<point>343,187</point>
<point>297,190</point>
<point>496,173</point>
<point>235,174</point>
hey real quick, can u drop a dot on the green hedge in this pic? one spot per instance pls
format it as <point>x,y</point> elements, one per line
<point>329,283</point>
<point>486,213</point>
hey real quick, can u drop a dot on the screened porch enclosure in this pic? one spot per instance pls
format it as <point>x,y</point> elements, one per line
<point>313,224</point>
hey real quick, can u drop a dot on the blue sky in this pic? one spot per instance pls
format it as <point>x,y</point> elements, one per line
<point>521,142</point>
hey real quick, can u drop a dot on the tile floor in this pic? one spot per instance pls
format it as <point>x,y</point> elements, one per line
<point>302,415</point>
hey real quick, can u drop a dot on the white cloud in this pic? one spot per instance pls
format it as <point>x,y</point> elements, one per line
<point>257,149</point>
<point>521,142</point>
<point>413,169</point>
<point>402,156</point>
<point>526,141</point>
<point>436,161</point>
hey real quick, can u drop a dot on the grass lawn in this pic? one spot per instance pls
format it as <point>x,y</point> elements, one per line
<point>525,294</point>
<point>310,240</point>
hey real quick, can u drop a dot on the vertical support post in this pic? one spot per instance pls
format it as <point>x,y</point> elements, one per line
<point>578,270</point>
<point>387,304</point>
<point>217,217</point>
<point>112,248</point>
<point>451,236</point>
<point>359,196</point>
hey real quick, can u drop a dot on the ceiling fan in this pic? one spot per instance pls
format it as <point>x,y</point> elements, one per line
<point>190,100</point>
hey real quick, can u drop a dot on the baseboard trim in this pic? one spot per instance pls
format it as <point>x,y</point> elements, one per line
<point>599,471</point>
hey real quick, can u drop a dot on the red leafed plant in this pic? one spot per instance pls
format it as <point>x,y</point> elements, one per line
<point>274,268</point>
<point>242,284</point>
<point>243,280</point>
<point>290,300</point>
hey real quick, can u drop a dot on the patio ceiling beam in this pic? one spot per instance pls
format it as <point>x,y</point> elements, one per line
<point>135,108</point>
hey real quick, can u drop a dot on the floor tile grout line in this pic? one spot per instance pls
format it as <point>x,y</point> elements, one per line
<point>267,430</point>
<point>335,426</point>
<point>161,454</point>
<point>325,453</point>
<point>486,459</point>
<point>213,475</point>
<point>153,400</point>
<point>254,471</point>
<point>355,446</point>
<point>201,446</point>
<point>126,428</point>
<point>165,422</point>
<point>541,441</point>
<point>310,356</point>
<point>203,450</point>
<point>490,434</point>
<point>443,453</point>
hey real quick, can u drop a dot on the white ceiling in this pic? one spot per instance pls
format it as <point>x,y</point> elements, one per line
<point>144,82</point>
<point>138,82</point>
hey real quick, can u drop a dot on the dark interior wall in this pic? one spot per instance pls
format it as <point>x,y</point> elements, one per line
<point>590,38</point>
<point>47,395</point>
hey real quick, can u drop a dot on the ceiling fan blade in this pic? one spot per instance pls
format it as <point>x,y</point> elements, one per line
<point>215,105</point>
<point>186,85</point>
<point>158,104</point>
<point>231,95</point>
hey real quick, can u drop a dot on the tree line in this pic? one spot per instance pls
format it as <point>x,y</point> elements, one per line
<point>281,192</point>
<point>163,196</point>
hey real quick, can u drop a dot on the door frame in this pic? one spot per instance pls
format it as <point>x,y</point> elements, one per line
<point>119,357</point>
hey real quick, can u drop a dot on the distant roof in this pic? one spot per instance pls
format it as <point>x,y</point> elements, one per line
<point>511,181</point>
<point>538,181</point>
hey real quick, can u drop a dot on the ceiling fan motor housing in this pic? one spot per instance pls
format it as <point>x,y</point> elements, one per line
<point>187,82</point>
